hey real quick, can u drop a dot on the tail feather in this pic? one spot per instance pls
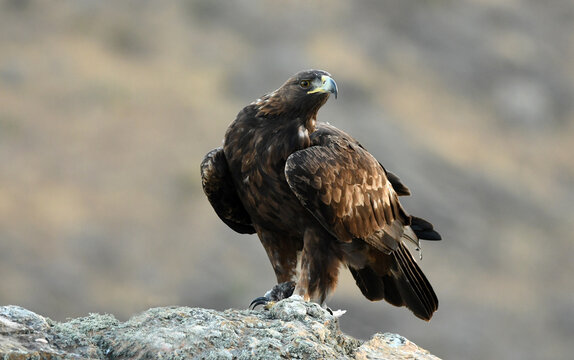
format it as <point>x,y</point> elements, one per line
<point>404,284</point>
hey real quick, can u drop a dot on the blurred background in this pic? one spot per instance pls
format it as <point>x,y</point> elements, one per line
<point>107,108</point>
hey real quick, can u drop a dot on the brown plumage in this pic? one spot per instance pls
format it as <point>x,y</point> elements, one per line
<point>317,199</point>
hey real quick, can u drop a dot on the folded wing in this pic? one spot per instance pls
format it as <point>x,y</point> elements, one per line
<point>351,195</point>
<point>347,190</point>
<point>220,190</point>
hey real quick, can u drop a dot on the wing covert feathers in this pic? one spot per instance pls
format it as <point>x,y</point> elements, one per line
<point>347,190</point>
<point>356,199</point>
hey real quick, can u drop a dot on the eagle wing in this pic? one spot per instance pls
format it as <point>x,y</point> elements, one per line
<point>347,190</point>
<point>352,196</point>
<point>220,190</point>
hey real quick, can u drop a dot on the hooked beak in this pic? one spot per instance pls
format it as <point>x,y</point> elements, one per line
<point>328,85</point>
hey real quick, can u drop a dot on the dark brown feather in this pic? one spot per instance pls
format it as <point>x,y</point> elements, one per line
<point>424,229</point>
<point>401,283</point>
<point>220,191</point>
<point>400,188</point>
<point>417,292</point>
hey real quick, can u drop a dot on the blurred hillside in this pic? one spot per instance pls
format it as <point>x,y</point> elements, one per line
<point>107,108</point>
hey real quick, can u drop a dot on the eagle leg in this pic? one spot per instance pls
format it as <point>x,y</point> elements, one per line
<point>320,261</point>
<point>278,292</point>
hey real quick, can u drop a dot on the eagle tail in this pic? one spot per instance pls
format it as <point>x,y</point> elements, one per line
<point>404,285</point>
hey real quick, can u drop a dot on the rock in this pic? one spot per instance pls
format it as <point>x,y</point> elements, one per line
<point>391,346</point>
<point>291,329</point>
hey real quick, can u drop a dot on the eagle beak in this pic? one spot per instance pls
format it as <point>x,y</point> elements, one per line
<point>328,85</point>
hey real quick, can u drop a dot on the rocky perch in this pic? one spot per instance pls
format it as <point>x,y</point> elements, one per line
<point>291,329</point>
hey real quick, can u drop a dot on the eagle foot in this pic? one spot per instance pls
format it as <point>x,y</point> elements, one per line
<point>278,292</point>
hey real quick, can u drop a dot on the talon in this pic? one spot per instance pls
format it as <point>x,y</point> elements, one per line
<point>278,292</point>
<point>262,300</point>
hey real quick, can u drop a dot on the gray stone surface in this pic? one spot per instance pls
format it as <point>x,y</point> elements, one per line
<point>291,329</point>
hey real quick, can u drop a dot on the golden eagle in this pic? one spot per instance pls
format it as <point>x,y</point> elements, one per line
<point>317,200</point>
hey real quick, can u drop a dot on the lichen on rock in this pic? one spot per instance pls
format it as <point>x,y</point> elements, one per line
<point>291,329</point>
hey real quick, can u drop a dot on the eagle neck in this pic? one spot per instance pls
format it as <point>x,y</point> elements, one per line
<point>311,124</point>
<point>278,139</point>
<point>311,114</point>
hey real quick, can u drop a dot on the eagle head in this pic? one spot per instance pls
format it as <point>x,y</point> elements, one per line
<point>312,84</point>
<point>300,96</point>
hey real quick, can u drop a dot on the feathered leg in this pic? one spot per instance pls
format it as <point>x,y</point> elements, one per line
<point>320,261</point>
<point>282,253</point>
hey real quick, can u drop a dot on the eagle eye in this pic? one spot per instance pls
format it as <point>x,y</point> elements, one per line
<point>304,84</point>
